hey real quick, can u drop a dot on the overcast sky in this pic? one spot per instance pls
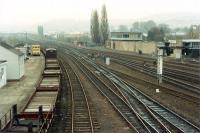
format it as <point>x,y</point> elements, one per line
<point>33,12</point>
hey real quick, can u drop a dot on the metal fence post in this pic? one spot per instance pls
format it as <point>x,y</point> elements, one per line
<point>5,119</point>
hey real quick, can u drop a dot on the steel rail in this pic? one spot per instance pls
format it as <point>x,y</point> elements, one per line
<point>154,124</point>
<point>120,105</point>
<point>147,116</point>
<point>173,81</point>
<point>66,75</point>
<point>143,58</point>
<point>171,73</point>
<point>189,126</point>
<point>169,91</point>
<point>69,70</point>
<point>167,114</point>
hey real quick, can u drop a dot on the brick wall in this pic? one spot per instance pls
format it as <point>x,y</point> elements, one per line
<point>135,46</point>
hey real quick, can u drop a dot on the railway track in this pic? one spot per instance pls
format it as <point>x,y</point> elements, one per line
<point>184,66</point>
<point>167,79</point>
<point>73,112</point>
<point>181,78</point>
<point>170,77</point>
<point>82,119</point>
<point>173,92</point>
<point>147,109</point>
<point>129,115</point>
<point>150,120</point>
<point>168,72</point>
<point>60,119</point>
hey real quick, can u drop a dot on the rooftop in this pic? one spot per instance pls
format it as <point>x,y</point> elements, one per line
<point>20,45</point>
<point>129,32</point>
<point>126,36</point>
<point>2,61</point>
<point>191,40</point>
<point>10,48</point>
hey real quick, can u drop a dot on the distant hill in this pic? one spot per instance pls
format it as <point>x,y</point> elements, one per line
<point>176,20</point>
<point>70,25</point>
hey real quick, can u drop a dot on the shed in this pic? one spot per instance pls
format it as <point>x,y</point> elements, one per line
<point>191,48</point>
<point>15,61</point>
<point>3,76</point>
<point>22,47</point>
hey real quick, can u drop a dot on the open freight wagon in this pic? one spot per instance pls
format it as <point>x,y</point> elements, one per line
<point>38,113</point>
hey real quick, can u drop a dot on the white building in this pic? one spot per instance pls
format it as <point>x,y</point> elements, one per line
<point>3,79</point>
<point>15,61</point>
<point>22,48</point>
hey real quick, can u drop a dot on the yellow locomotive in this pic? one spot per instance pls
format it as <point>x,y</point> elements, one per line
<point>35,50</point>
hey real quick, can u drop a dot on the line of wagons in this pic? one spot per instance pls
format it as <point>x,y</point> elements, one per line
<point>38,113</point>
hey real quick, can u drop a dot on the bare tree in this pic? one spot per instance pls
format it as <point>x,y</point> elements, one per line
<point>94,27</point>
<point>104,25</point>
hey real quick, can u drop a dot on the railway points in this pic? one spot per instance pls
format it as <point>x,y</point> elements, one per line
<point>116,72</point>
<point>72,110</point>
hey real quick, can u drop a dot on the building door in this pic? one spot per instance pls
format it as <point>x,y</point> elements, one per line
<point>113,45</point>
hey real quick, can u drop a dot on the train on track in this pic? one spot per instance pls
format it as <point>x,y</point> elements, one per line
<point>38,113</point>
<point>35,50</point>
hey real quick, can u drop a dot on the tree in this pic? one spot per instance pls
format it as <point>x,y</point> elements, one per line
<point>104,25</point>
<point>148,25</point>
<point>164,27</point>
<point>135,27</point>
<point>123,28</point>
<point>94,27</point>
<point>156,34</point>
<point>143,26</point>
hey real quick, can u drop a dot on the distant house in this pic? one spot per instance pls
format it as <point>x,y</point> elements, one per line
<point>3,71</point>
<point>15,61</point>
<point>126,36</point>
<point>130,41</point>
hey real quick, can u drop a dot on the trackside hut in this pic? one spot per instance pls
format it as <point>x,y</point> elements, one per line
<point>15,61</point>
<point>191,48</point>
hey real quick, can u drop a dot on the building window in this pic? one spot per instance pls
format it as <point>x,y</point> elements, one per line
<point>125,35</point>
<point>118,36</point>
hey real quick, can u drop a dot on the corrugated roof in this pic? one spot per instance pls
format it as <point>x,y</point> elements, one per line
<point>20,45</point>
<point>10,48</point>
